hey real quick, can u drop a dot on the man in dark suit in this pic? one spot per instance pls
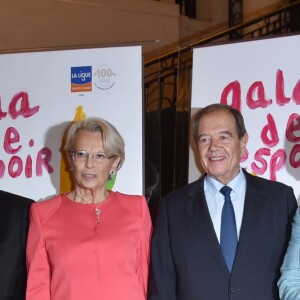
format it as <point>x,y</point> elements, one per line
<point>207,246</point>
<point>14,211</point>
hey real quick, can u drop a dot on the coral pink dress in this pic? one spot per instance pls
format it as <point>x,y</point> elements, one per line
<point>74,255</point>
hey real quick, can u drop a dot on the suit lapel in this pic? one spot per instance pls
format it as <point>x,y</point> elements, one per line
<point>254,208</point>
<point>198,212</point>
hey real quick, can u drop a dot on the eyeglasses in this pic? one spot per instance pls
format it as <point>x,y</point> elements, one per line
<point>98,157</point>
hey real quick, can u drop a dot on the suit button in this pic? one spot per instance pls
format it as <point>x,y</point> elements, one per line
<point>232,290</point>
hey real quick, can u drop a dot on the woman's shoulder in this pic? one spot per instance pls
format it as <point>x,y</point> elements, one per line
<point>133,203</point>
<point>46,208</point>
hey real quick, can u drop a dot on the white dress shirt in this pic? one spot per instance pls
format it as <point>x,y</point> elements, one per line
<point>215,200</point>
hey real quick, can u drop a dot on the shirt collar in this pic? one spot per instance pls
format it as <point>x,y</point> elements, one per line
<point>237,184</point>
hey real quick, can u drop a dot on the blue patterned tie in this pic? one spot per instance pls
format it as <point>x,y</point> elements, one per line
<point>228,238</point>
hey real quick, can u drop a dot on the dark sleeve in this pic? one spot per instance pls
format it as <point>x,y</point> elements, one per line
<point>162,280</point>
<point>14,227</point>
<point>25,224</point>
<point>292,207</point>
<point>24,232</point>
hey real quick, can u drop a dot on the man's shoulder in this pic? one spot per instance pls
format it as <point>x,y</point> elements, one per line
<point>266,183</point>
<point>7,198</point>
<point>190,189</point>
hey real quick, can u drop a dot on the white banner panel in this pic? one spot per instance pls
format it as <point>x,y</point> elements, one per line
<point>261,79</point>
<point>41,92</point>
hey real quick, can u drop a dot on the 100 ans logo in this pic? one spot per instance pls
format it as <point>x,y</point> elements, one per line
<point>104,77</point>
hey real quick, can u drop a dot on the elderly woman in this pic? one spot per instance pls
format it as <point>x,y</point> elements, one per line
<point>90,243</point>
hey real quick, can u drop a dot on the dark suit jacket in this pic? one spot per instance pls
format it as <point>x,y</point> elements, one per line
<point>13,234</point>
<point>187,262</point>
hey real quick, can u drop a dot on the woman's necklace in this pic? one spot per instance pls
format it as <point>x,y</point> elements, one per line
<point>97,211</point>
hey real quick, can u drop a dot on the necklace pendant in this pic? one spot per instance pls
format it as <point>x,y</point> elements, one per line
<point>97,211</point>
